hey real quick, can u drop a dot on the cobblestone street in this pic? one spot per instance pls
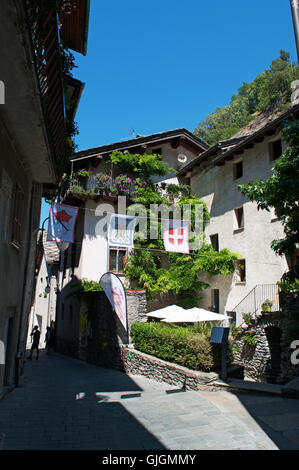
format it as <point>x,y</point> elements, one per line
<point>66,404</point>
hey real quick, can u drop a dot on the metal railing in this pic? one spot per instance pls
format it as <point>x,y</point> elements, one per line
<point>252,303</point>
<point>43,26</point>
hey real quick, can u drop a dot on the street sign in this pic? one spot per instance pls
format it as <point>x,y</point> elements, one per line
<point>219,335</point>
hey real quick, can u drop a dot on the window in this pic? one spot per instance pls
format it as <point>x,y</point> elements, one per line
<point>215,300</point>
<point>275,149</point>
<point>17,216</point>
<point>238,170</point>
<point>157,151</point>
<point>117,259</point>
<point>241,270</point>
<point>239,215</point>
<point>215,241</point>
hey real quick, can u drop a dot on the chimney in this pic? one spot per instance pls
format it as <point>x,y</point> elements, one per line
<point>295,16</point>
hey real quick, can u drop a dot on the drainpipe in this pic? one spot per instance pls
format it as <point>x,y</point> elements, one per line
<point>295,17</point>
<point>23,302</point>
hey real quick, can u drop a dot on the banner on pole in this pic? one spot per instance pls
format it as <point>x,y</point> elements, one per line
<point>62,222</point>
<point>115,291</point>
<point>176,236</point>
<point>121,231</point>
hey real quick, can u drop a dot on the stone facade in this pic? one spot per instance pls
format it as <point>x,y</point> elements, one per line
<point>250,235</point>
<point>136,305</point>
<point>136,362</point>
<point>97,334</point>
<point>270,359</point>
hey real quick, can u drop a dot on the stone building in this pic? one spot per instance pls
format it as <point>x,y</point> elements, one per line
<point>90,256</point>
<point>43,310</point>
<point>235,222</point>
<point>33,140</point>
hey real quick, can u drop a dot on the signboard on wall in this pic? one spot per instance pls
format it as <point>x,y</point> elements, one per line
<point>115,291</point>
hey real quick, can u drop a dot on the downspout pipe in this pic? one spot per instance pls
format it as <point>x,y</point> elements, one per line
<point>18,357</point>
<point>295,16</point>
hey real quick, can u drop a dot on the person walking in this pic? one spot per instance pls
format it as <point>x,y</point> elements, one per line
<point>36,337</point>
<point>49,340</point>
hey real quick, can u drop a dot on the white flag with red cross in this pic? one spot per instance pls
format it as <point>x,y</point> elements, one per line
<point>176,236</point>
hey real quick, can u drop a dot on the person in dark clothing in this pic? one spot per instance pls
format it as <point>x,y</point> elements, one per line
<point>49,340</point>
<point>36,336</point>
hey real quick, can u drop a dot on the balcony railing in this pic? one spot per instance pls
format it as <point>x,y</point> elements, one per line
<point>94,186</point>
<point>253,302</point>
<point>43,26</point>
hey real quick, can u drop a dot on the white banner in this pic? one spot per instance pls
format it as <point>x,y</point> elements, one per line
<point>176,236</point>
<point>62,221</point>
<point>115,291</point>
<point>121,230</point>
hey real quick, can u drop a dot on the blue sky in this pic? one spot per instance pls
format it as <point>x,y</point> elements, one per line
<point>160,65</point>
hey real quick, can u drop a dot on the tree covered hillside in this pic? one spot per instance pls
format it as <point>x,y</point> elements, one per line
<point>269,89</point>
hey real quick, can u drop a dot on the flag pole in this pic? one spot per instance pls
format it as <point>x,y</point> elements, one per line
<point>295,16</point>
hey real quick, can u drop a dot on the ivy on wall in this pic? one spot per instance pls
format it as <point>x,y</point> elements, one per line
<point>149,266</point>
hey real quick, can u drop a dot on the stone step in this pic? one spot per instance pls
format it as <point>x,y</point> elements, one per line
<point>246,385</point>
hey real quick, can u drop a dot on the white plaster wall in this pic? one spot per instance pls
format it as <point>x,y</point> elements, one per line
<point>40,306</point>
<point>217,187</point>
<point>94,253</point>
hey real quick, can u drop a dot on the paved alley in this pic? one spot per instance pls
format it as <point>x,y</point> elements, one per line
<point>65,404</point>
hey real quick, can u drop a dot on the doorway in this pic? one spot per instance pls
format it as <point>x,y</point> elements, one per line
<point>9,359</point>
<point>273,335</point>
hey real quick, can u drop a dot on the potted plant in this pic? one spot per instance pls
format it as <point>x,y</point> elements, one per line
<point>247,317</point>
<point>250,338</point>
<point>83,176</point>
<point>266,305</point>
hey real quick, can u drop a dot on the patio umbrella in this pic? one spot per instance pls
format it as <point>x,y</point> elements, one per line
<point>163,312</point>
<point>176,314</point>
<point>194,315</point>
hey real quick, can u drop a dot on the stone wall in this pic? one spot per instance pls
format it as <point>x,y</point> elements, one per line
<point>137,306</point>
<point>270,359</point>
<point>138,363</point>
<point>97,333</point>
<point>161,301</point>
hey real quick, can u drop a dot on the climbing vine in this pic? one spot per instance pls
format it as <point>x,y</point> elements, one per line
<point>149,266</point>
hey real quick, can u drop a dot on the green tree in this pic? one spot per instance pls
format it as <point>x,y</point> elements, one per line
<point>270,88</point>
<point>281,192</point>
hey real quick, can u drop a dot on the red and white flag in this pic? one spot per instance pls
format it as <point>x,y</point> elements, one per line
<point>176,236</point>
<point>62,221</point>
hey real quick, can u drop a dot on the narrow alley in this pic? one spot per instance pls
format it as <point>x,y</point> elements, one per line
<point>66,404</point>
